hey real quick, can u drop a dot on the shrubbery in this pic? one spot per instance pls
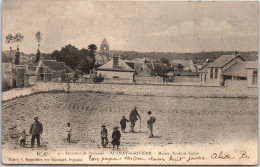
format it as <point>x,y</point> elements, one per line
<point>5,86</point>
<point>98,78</point>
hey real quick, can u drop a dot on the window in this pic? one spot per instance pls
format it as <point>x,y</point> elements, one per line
<point>255,73</point>
<point>115,76</point>
<point>216,73</point>
<point>211,72</point>
<point>205,77</point>
<point>200,77</point>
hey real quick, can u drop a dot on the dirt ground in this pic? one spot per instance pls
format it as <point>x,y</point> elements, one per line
<point>184,120</point>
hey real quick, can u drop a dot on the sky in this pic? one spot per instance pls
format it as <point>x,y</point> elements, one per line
<point>133,26</point>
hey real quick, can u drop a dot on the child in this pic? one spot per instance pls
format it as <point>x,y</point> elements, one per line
<point>23,138</point>
<point>103,134</point>
<point>123,123</point>
<point>116,138</point>
<point>68,131</point>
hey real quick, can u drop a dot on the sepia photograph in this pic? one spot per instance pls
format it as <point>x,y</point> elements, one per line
<point>130,82</point>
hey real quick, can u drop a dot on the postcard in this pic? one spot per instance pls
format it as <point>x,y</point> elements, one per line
<point>130,82</point>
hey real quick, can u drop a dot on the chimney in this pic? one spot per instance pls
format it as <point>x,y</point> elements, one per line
<point>115,62</point>
<point>236,53</point>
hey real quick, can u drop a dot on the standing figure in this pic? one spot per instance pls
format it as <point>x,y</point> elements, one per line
<point>23,138</point>
<point>116,135</point>
<point>36,131</point>
<point>69,132</point>
<point>123,123</point>
<point>103,134</point>
<point>68,87</point>
<point>150,123</point>
<point>133,118</point>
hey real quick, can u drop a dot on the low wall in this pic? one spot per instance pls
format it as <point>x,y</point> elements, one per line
<point>236,83</point>
<point>154,90</point>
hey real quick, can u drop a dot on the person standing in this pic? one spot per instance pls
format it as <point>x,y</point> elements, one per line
<point>133,118</point>
<point>36,131</point>
<point>69,132</point>
<point>23,138</point>
<point>68,87</point>
<point>123,122</point>
<point>116,135</point>
<point>150,123</point>
<point>103,133</point>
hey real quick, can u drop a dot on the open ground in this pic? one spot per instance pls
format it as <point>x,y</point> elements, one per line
<point>179,120</point>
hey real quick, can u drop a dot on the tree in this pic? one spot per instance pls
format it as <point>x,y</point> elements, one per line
<point>83,60</point>
<point>160,71</point>
<point>38,55</point>
<point>89,60</point>
<point>18,38</point>
<point>165,61</point>
<point>38,37</point>
<point>180,67</point>
<point>9,39</point>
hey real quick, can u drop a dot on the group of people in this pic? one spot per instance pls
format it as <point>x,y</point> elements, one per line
<point>133,118</point>
<point>116,135</point>
<point>36,130</point>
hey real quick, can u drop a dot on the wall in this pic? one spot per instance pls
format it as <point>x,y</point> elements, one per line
<point>250,78</point>
<point>202,77</point>
<point>128,76</point>
<point>7,73</point>
<point>236,83</point>
<point>153,90</point>
<point>214,81</point>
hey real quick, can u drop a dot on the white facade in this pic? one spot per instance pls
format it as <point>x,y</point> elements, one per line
<point>252,78</point>
<point>117,75</point>
<point>214,77</point>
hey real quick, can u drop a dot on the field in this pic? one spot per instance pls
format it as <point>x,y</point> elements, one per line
<point>179,120</point>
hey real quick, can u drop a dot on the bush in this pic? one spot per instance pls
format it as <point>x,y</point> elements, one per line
<point>5,86</point>
<point>98,78</point>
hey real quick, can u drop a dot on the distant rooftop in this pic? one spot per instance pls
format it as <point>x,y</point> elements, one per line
<point>223,60</point>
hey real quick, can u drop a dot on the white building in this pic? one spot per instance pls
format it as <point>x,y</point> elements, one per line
<point>116,70</point>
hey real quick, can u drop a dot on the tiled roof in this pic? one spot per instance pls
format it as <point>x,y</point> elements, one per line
<point>68,69</point>
<point>122,66</point>
<point>204,70</point>
<point>54,65</point>
<point>130,64</point>
<point>238,70</point>
<point>223,60</point>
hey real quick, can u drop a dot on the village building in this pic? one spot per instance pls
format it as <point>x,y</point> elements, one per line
<point>191,68</point>
<point>116,70</point>
<point>143,69</point>
<point>51,70</point>
<point>185,63</point>
<point>252,74</point>
<point>14,76</point>
<point>102,56</point>
<point>229,70</point>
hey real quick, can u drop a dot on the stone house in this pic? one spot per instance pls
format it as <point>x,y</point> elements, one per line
<point>215,69</point>
<point>14,76</point>
<point>230,70</point>
<point>252,74</point>
<point>51,70</point>
<point>116,70</point>
<point>191,67</point>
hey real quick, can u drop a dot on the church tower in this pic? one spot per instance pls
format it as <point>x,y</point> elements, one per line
<point>104,50</point>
